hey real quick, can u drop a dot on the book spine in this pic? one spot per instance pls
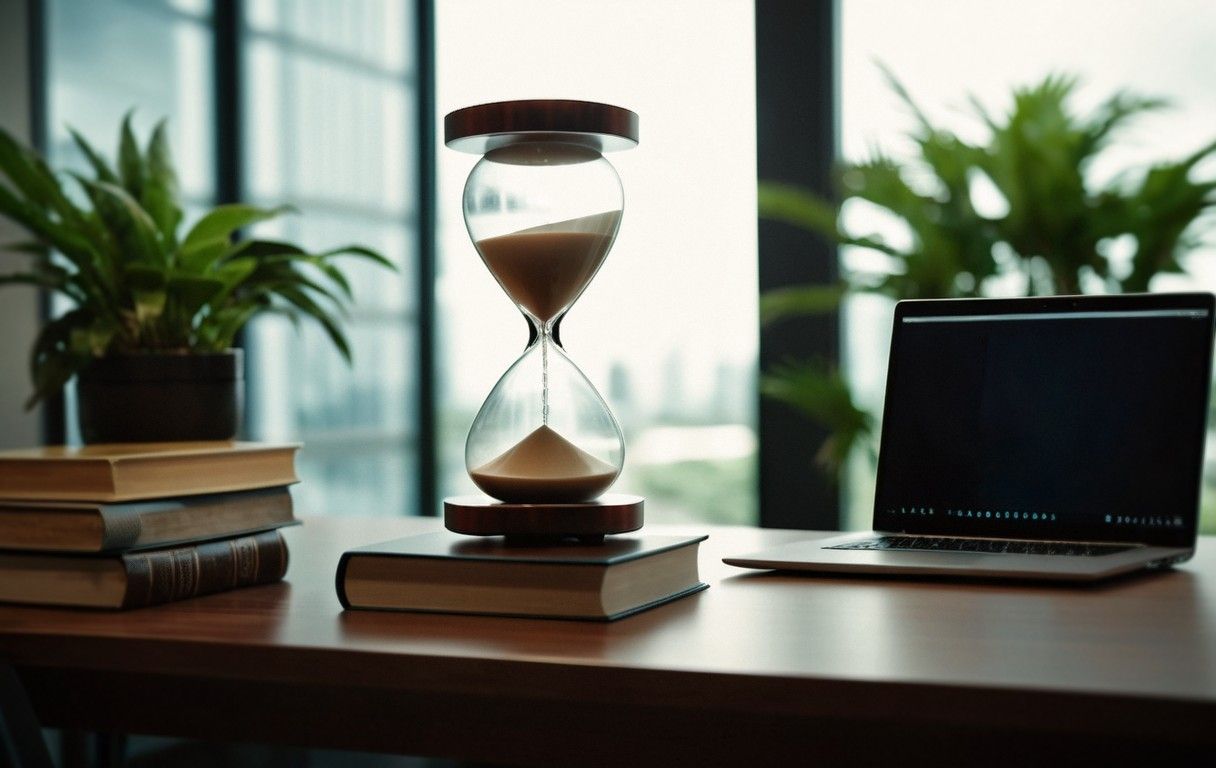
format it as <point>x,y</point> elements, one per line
<point>165,575</point>
<point>340,580</point>
<point>121,527</point>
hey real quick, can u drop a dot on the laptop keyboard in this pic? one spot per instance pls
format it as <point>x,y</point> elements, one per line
<point>997,546</point>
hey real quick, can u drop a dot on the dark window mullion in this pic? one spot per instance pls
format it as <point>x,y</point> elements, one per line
<point>424,193</point>
<point>229,169</point>
<point>226,52</point>
<point>54,407</point>
<point>796,55</point>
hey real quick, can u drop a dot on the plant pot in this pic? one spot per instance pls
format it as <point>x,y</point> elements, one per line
<point>154,397</point>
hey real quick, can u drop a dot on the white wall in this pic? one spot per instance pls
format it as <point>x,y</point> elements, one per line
<point>18,305</point>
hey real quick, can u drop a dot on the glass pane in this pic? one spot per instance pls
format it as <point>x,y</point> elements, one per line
<point>107,58</point>
<point>1111,46</point>
<point>667,330</point>
<point>356,479</point>
<point>329,124</point>
<point>319,132</point>
<point>303,387</point>
<point>376,33</point>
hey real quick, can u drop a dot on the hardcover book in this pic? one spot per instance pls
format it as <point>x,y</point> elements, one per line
<point>138,579</point>
<point>132,471</point>
<point>449,573</point>
<point>70,526</point>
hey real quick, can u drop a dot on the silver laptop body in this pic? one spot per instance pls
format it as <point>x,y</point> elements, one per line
<point>1050,438</point>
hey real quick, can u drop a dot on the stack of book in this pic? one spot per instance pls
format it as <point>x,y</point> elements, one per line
<point>126,526</point>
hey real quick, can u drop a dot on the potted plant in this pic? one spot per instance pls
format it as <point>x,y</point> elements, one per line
<point>154,311</point>
<point>1059,232</point>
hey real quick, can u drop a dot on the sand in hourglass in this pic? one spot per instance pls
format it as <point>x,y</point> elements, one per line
<point>544,269</point>
<point>544,468</point>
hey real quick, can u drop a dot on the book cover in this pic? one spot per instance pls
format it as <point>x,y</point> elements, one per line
<point>77,526</point>
<point>135,471</point>
<point>138,579</point>
<point>449,573</point>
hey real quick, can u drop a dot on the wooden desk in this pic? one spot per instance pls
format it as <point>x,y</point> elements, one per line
<point>761,668</point>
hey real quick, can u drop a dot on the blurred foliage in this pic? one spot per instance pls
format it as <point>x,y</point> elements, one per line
<point>135,284</point>
<point>717,491</point>
<point>1056,230</point>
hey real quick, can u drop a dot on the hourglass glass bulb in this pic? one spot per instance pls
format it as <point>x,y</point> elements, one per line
<point>543,207</point>
<point>545,268</point>
<point>543,216</point>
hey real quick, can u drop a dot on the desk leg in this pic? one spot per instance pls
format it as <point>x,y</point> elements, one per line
<point>21,743</point>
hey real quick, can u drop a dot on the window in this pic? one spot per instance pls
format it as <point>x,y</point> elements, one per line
<point>1111,45</point>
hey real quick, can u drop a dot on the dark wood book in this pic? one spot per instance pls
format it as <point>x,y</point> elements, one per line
<point>80,526</point>
<point>138,579</point>
<point>449,573</point>
<point>131,471</point>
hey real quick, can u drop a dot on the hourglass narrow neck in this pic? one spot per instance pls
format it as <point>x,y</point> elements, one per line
<point>535,330</point>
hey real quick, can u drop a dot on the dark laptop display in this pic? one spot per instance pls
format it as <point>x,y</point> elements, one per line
<point>1047,418</point>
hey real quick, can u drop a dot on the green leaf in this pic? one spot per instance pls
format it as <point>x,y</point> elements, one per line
<point>221,328</point>
<point>305,304</point>
<point>52,360</point>
<point>52,277</point>
<point>77,248</point>
<point>160,190</point>
<point>335,275</point>
<point>900,91</point>
<point>100,167</point>
<point>796,206</point>
<point>232,274</point>
<point>35,279</point>
<point>223,220</point>
<point>191,292</point>
<point>799,300</point>
<point>97,337</point>
<point>52,374</point>
<point>130,163</point>
<point>147,285</point>
<point>32,248</point>
<point>33,179</point>
<point>201,256</point>
<point>130,225</point>
<point>144,277</point>
<point>821,394</point>
<point>260,248</point>
<point>272,270</point>
<point>358,250</point>
<point>268,251</point>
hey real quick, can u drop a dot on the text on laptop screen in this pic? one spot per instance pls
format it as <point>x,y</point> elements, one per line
<point>1046,424</point>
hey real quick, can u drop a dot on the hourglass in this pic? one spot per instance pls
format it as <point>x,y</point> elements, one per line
<point>543,207</point>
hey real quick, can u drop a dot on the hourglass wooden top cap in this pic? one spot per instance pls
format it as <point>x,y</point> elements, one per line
<point>485,127</point>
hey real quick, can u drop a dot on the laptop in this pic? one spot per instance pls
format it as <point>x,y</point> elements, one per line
<point>1046,438</point>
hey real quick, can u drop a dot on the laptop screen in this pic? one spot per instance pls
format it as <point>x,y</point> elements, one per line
<point>1076,418</point>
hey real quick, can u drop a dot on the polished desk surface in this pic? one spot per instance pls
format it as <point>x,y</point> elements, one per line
<point>758,667</point>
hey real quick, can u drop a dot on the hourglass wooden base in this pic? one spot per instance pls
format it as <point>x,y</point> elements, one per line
<point>587,521</point>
